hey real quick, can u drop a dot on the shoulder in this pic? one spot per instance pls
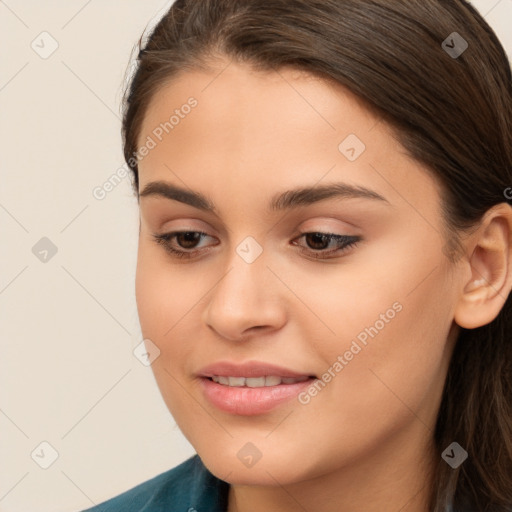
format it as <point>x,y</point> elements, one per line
<point>188,487</point>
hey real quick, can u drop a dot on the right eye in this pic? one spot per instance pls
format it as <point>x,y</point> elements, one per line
<point>176,243</point>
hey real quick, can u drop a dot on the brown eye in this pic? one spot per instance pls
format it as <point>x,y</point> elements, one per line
<point>182,244</point>
<point>188,239</point>
<point>317,243</point>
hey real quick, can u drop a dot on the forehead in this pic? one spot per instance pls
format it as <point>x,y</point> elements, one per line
<point>235,128</point>
<point>236,103</point>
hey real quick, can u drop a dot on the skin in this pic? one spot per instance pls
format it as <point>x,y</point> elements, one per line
<point>365,441</point>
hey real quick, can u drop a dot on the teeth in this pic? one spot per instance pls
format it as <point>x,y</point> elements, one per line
<point>256,382</point>
<point>236,381</point>
<point>272,380</point>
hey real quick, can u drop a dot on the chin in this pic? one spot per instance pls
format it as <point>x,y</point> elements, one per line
<point>275,469</point>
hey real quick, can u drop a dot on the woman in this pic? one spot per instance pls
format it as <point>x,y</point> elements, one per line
<point>324,265</point>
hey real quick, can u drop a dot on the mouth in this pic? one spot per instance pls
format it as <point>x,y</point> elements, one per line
<point>256,382</point>
<point>252,388</point>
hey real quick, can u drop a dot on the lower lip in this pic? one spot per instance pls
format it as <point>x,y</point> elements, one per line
<point>247,401</point>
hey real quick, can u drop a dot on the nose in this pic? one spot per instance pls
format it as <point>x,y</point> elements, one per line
<point>246,300</point>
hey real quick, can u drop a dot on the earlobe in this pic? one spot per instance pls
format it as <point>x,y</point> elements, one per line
<point>485,293</point>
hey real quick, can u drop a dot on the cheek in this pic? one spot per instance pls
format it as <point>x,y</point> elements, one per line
<point>165,300</point>
<point>388,319</point>
<point>164,297</point>
<point>393,366</point>
<point>163,291</point>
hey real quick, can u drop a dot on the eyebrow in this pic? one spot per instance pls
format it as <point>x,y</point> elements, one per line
<point>289,199</point>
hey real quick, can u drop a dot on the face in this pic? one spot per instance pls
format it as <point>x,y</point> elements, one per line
<point>341,296</point>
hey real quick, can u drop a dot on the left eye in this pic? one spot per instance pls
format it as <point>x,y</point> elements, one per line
<point>183,244</point>
<point>318,243</point>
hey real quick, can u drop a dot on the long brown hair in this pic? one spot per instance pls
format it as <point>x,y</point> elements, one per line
<point>451,112</point>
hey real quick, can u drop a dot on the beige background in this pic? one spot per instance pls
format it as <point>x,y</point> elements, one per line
<point>68,325</point>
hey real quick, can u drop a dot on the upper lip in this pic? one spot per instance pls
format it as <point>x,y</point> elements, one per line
<point>248,369</point>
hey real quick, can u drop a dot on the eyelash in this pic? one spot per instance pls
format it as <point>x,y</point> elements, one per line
<point>345,242</point>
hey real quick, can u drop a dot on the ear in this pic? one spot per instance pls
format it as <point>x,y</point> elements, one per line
<point>490,247</point>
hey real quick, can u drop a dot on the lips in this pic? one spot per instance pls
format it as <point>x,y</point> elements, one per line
<point>251,388</point>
